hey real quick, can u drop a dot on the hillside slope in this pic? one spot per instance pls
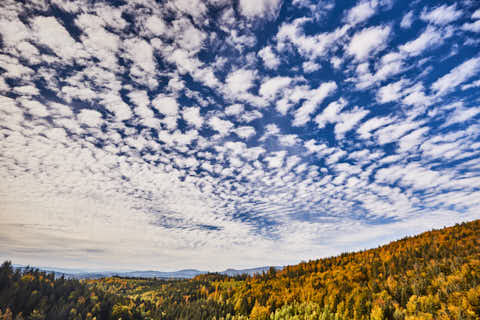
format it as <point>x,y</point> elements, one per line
<point>435,275</point>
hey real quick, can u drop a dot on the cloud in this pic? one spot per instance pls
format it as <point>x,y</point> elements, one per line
<point>189,128</point>
<point>394,131</point>
<point>245,132</point>
<point>250,116</point>
<point>62,44</point>
<point>13,32</point>
<point>457,76</point>
<point>35,108</point>
<point>391,92</point>
<point>407,20</point>
<point>240,81</point>
<point>412,141</point>
<point>222,126</point>
<point>309,66</point>
<point>269,58</point>
<point>476,14</point>
<point>315,98</point>
<point>442,15</point>
<point>118,107</point>
<point>371,125</point>
<point>271,87</point>
<point>166,105</point>
<point>331,113</point>
<point>261,8</point>
<point>431,37</point>
<point>361,12</point>
<point>461,115</point>
<point>473,27</point>
<point>310,47</point>
<point>140,52</point>
<point>368,41</point>
<point>193,117</point>
<point>234,109</point>
<point>348,120</point>
<point>90,118</point>
<point>156,25</point>
<point>276,160</point>
<point>289,140</point>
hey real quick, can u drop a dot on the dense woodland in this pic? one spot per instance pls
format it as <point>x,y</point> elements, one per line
<point>435,275</point>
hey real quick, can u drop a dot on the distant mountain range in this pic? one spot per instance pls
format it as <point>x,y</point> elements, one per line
<point>181,274</point>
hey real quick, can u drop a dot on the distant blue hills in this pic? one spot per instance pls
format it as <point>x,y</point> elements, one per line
<point>181,274</point>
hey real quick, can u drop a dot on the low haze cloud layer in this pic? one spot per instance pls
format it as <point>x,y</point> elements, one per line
<point>213,134</point>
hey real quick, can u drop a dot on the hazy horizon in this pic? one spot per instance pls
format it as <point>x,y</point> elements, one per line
<point>218,134</point>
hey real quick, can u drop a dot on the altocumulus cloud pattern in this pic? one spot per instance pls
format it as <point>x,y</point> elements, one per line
<point>219,133</point>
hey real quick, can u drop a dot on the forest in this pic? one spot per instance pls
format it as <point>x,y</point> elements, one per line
<point>434,275</point>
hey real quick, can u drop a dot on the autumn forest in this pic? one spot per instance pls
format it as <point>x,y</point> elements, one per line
<point>435,275</point>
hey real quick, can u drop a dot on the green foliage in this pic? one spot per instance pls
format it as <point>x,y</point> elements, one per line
<point>32,294</point>
<point>435,275</point>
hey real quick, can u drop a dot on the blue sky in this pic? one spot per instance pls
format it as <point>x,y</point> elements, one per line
<point>213,134</point>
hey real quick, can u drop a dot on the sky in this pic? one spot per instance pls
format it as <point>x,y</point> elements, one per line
<point>211,134</point>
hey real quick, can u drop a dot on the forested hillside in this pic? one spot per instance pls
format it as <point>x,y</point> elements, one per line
<point>435,275</point>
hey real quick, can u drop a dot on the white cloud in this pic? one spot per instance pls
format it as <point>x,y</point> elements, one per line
<point>118,107</point>
<point>442,15</point>
<point>310,66</point>
<point>416,96</point>
<point>156,25</point>
<point>27,90</point>
<point>276,159</point>
<point>461,115</point>
<point>97,41</point>
<point>476,14</point>
<point>311,47</point>
<point>393,132</point>
<point>240,81</point>
<point>313,147</point>
<point>270,59</point>
<point>271,130</point>
<point>144,66</point>
<point>195,8</point>
<point>90,118</point>
<point>262,8</point>
<point>348,120</point>
<point>101,167</point>
<point>368,41</point>
<point>371,125</point>
<point>474,84</point>
<point>13,32</point>
<point>245,132</point>
<point>412,175</point>
<point>289,140</point>
<point>62,43</point>
<point>35,108</point>
<point>412,141</point>
<point>391,92</point>
<point>473,27</point>
<point>316,97</point>
<point>407,20</point>
<point>193,117</point>
<point>331,113</point>
<point>249,116</point>
<point>362,11</point>
<point>187,36</point>
<point>222,126</point>
<point>457,76</point>
<point>234,109</point>
<point>431,37</point>
<point>272,86</point>
<point>166,105</point>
